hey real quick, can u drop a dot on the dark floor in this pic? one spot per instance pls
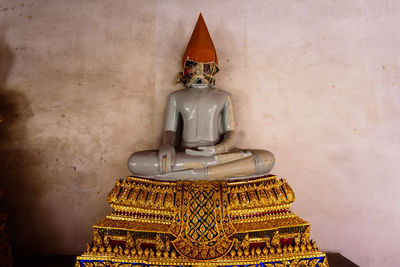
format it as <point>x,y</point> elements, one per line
<point>337,260</point>
<point>334,259</point>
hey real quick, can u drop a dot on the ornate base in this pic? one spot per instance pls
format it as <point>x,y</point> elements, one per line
<point>219,223</point>
<point>306,260</point>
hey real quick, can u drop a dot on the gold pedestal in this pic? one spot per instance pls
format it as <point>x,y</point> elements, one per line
<point>187,223</point>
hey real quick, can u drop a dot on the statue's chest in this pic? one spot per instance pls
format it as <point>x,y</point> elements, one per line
<point>200,104</point>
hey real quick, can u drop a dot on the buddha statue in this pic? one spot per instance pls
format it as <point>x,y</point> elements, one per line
<point>199,127</point>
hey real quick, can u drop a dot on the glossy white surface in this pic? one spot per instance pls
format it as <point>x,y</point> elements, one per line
<point>202,110</point>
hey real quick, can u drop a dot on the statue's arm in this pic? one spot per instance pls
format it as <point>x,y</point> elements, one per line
<point>228,124</point>
<point>166,153</point>
<point>227,143</point>
<point>169,138</point>
<point>171,115</point>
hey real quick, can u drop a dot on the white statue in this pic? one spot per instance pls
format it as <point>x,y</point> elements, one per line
<point>199,127</point>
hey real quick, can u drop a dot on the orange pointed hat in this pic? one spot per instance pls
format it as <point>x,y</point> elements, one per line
<point>200,47</point>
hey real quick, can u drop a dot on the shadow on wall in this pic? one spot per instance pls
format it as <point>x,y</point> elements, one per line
<point>16,161</point>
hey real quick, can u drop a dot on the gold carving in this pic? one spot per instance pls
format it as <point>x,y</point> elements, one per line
<point>245,242</point>
<point>96,238</point>
<point>202,223</point>
<point>159,243</point>
<point>130,242</point>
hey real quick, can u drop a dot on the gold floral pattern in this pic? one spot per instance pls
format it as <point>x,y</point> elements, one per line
<point>216,223</point>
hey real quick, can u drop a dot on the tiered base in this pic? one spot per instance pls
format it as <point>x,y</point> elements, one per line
<point>206,223</point>
<point>305,260</point>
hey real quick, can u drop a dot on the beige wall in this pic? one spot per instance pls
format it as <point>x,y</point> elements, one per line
<point>84,83</point>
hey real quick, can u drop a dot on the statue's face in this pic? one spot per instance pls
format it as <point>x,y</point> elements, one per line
<point>198,74</point>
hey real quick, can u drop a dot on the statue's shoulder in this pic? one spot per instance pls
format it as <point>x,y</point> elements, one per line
<point>177,93</point>
<point>221,92</point>
<point>184,92</point>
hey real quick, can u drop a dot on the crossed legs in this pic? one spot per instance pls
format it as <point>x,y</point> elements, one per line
<point>221,166</point>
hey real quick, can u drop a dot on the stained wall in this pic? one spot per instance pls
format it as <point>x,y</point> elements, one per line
<point>84,83</point>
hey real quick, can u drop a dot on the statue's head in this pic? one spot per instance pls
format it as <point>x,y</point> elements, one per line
<point>199,74</point>
<point>200,59</point>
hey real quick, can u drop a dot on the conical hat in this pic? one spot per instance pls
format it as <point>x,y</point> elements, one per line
<point>200,47</point>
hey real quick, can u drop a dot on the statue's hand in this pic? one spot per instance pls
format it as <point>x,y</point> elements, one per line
<point>201,151</point>
<point>166,158</point>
